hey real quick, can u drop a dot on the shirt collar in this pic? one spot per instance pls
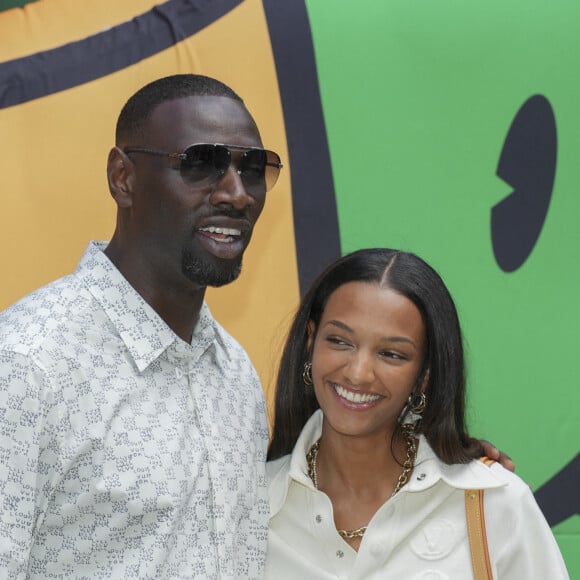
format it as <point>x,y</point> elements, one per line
<point>429,469</point>
<point>281,474</point>
<point>309,435</point>
<point>142,330</point>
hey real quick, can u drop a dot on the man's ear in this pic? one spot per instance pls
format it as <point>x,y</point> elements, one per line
<point>311,329</point>
<point>120,175</point>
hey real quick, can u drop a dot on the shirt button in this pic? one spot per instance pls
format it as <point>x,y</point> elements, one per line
<point>318,518</point>
<point>178,373</point>
<point>421,476</point>
<point>339,554</point>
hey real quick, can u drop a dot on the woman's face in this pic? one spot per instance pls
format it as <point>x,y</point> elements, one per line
<point>366,358</point>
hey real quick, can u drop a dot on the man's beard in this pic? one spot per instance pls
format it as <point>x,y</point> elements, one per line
<point>206,273</point>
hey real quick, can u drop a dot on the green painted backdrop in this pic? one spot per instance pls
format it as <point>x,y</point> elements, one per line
<point>418,98</point>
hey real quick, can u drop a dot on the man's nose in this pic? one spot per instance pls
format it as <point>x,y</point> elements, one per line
<point>231,190</point>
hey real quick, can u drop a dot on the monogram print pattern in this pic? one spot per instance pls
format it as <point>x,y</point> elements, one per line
<point>124,451</point>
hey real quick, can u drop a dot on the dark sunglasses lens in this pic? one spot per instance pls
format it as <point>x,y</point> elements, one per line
<point>204,163</point>
<point>259,169</point>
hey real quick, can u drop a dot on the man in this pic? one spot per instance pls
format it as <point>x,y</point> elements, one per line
<point>133,431</point>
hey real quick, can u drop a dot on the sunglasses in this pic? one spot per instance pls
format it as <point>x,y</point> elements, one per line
<point>203,164</point>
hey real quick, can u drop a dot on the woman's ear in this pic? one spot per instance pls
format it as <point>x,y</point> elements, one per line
<point>311,330</point>
<point>120,175</point>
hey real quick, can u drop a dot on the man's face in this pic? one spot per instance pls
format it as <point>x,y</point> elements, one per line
<point>189,229</point>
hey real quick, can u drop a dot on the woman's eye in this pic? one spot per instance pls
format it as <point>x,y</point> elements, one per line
<point>336,340</point>
<point>393,355</point>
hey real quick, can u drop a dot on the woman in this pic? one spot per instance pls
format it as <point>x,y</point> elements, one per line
<point>370,457</point>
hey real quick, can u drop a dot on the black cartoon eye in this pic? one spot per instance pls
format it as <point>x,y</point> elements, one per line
<point>528,164</point>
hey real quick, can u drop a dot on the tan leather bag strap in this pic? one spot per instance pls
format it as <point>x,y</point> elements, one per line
<point>477,534</point>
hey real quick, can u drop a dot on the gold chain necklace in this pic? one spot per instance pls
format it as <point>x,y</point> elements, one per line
<point>408,432</point>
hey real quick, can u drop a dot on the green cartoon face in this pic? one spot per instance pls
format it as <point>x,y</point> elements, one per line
<point>455,135</point>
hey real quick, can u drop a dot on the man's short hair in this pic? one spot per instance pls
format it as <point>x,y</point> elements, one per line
<point>140,106</point>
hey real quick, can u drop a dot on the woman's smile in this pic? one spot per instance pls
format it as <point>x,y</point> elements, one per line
<point>358,399</point>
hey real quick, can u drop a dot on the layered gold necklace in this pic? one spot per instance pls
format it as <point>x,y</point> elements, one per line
<point>408,432</point>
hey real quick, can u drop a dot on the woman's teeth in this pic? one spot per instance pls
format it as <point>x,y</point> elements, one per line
<point>355,397</point>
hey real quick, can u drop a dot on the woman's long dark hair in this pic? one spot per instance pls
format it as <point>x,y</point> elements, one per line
<point>443,422</point>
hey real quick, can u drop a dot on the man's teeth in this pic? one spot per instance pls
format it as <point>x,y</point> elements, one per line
<point>355,397</point>
<point>224,235</point>
<point>224,231</point>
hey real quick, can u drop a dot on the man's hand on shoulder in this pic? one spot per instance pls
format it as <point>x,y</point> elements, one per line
<point>494,453</point>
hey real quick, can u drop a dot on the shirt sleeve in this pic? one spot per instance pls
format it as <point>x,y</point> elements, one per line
<point>28,458</point>
<point>521,542</point>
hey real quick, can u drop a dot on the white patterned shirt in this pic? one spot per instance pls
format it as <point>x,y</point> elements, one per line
<point>126,452</point>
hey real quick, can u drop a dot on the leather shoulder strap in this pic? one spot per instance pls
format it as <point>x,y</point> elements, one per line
<point>487,460</point>
<point>477,534</point>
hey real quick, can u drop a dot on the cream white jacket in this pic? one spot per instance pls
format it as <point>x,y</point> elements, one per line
<point>418,534</point>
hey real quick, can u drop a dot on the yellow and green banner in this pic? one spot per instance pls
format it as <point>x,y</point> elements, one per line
<point>449,129</point>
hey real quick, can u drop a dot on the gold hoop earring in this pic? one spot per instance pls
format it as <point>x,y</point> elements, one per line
<point>412,411</point>
<point>417,403</point>
<point>307,374</point>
